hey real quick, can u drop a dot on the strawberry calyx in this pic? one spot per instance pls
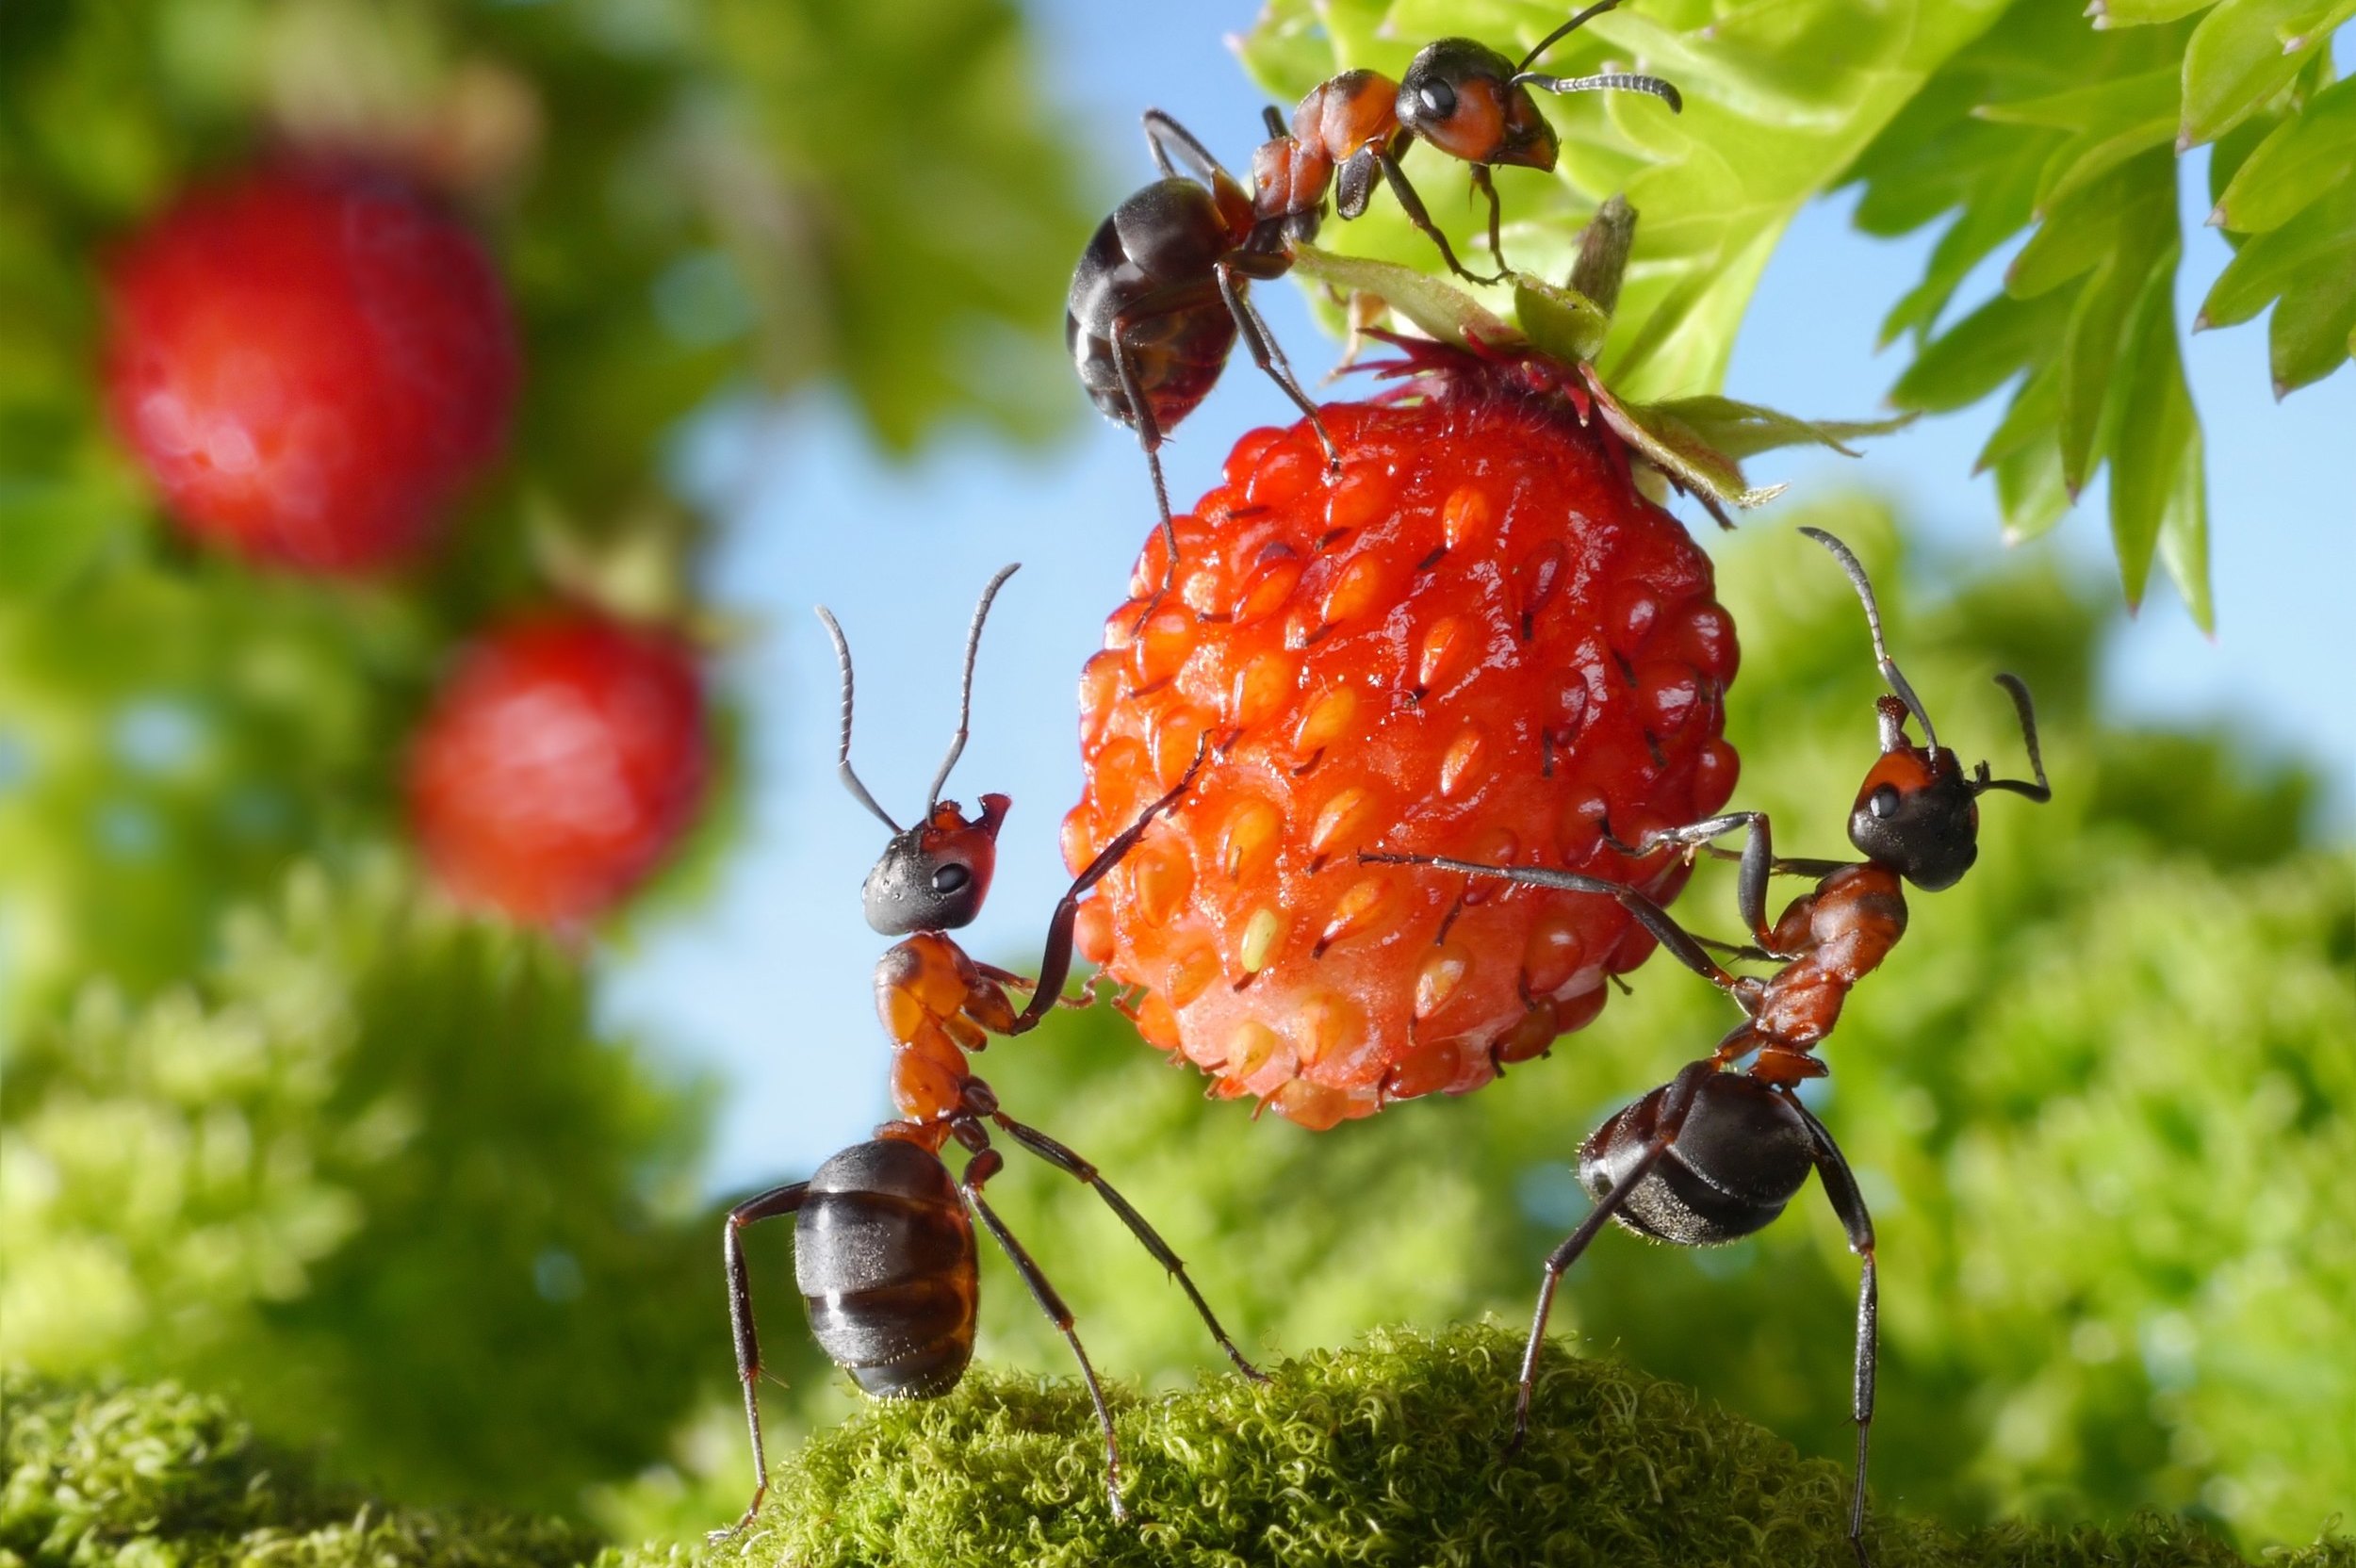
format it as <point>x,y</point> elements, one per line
<point>1695,443</point>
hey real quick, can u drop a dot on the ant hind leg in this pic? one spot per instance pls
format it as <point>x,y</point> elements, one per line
<point>1271,361</point>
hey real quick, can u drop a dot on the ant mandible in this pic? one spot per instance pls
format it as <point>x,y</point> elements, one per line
<point>1159,296</point>
<point>883,1246</point>
<point>1715,1154</point>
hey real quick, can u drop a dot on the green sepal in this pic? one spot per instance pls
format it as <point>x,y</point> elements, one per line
<point>1745,430</point>
<point>1560,320</point>
<point>1675,447</point>
<point>2155,438</point>
<point>2308,335</point>
<point>1437,309</point>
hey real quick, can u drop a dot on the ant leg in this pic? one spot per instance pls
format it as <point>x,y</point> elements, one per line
<point>774,1204</point>
<point>1675,940</point>
<point>1054,964</point>
<point>1412,204</point>
<point>1487,186</point>
<point>1271,360</point>
<point>1149,437</point>
<point>1758,860</point>
<point>981,1168</point>
<point>1840,1188</point>
<point>1065,1160</point>
<point>1674,1105</point>
<point>1162,133</point>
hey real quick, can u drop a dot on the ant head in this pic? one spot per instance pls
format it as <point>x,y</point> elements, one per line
<point>1918,811</point>
<point>932,877</point>
<point>1915,811</point>
<point>1461,96</point>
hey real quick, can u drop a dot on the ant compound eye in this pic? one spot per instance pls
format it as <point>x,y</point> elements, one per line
<point>1883,803</point>
<point>1439,99</point>
<point>950,879</point>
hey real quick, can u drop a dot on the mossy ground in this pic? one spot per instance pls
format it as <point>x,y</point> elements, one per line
<point>159,1478</point>
<point>1384,1453</point>
<point>1389,1452</point>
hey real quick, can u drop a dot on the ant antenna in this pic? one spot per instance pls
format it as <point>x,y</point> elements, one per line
<point>965,699</point>
<point>1574,25</point>
<point>842,764</point>
<point>2040,791</point>
<point>1874,623</point>
<point>1611,80</point>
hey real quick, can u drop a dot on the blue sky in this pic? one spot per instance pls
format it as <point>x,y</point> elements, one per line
<point>767,982</point>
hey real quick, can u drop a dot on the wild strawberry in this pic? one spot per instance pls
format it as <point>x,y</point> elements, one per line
<point>310,362</point>
<point>1482,642</point>
<point>561,762</point>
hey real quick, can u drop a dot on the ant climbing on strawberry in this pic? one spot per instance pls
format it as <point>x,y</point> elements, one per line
<point>1160,294</point>
<point>883,1245</point>
<point>1717,1153</point>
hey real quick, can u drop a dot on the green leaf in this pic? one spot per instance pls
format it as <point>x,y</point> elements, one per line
<point>2092,344</point>
<point>2321,237</point>
<point>2030,418</point>
<point>2306,157</point>
<point>2084,232</point>
<point>2307,336</point>
<point>2155,456</point>
<point>2030,491</point>
<point>1979,354</point>
<point>2125,100</point>
<point>2243,52</point>
<point>2141,14</point>
<point>1780,100</point>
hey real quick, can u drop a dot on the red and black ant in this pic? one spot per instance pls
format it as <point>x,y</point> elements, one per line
<point>1715,1154</point>
<point>883,1245</point>
<point>1159,296</point>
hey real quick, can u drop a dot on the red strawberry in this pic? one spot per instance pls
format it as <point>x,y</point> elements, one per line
<point>311,363</point>
<point>562,761</point>
<point>1481,641</point>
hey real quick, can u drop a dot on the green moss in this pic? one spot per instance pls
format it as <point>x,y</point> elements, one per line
<point>1385,1453</point>
<point>159,1478</point>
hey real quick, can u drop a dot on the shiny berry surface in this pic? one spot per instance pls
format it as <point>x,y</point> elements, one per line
<point>1482,642</point>
<point>560,763</point>
<point>310,363</point>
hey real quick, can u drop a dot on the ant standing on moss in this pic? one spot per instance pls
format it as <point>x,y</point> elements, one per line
<point>1715,1154</point>
<point>1159,296</point>
<point>883,1244</point>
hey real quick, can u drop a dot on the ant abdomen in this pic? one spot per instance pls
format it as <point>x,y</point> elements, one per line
<point>1740,1157</point>
<point>883,1253</point>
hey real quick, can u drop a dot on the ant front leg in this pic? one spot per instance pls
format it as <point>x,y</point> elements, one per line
<point>1675,940</point>
<point>1677,1099</point>
<point>1387,159</point>
<point>773,1204</point>
<point>1065,1160</point>
<point>1162,133</point>
<point>986,1163</point>
<point>1841,1188</point>
<point>1263,346</point>
<point>1487,186</point>
<point>1054,964</point>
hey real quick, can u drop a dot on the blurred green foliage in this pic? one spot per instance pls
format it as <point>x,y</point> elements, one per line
<point>2099,1101</point>
<point>687,198</point>
<point>375,1171</point>
<point>167,1478</point>
<point>1989,116</point>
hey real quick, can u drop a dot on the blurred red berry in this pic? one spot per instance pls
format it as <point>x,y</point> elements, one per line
<point>1482,642</point>
<point>311,363</point>
<point>560,763</point>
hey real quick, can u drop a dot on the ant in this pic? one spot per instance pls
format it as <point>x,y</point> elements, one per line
<point>884,1248</point>
<point>1159,296</point>
<point>1715,1154</point>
